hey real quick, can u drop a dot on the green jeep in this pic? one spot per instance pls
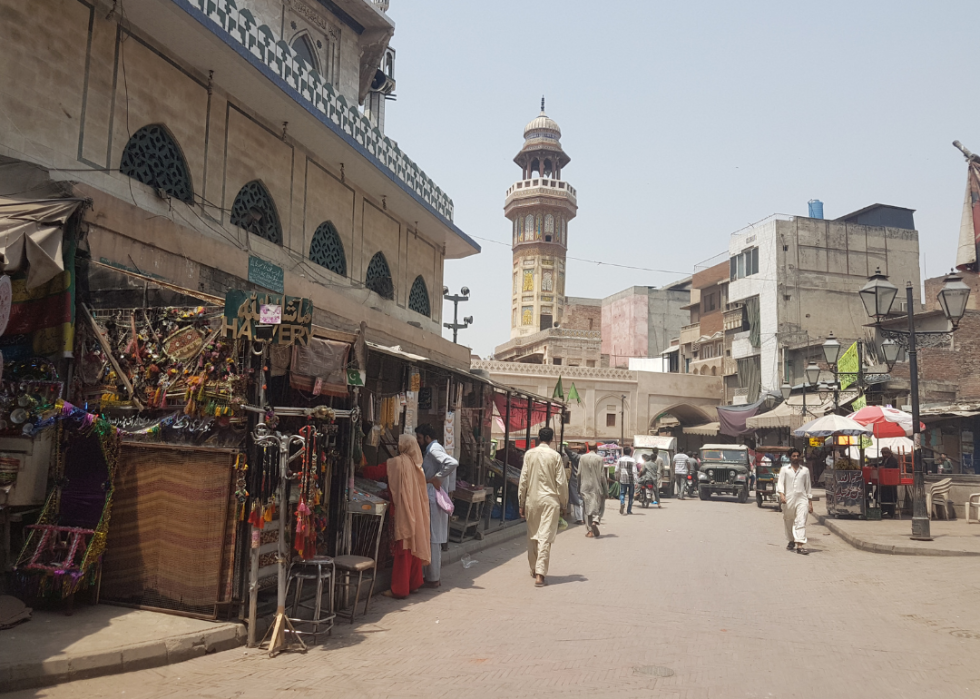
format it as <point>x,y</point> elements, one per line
<point>724,469</point>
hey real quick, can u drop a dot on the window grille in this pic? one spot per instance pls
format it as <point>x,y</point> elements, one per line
<point>418,298</point>
<point>255,211</point>
<point>153,157</point>
<point>378,277</point>
<point>326,249</point>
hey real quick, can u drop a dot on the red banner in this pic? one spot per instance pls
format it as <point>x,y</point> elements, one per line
<point>518,411</point>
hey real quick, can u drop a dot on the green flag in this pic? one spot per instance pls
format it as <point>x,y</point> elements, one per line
<point>859,403</point>
<point>573,395</point>
<point>847,367</point>
<point>559,392</point>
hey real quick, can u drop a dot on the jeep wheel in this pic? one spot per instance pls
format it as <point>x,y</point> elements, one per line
<point>743,494</point>
<point>758,498</point>
<point>703,493</point>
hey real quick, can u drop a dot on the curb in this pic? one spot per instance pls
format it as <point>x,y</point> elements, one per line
<point>871,547</point>
<point>110,662</point>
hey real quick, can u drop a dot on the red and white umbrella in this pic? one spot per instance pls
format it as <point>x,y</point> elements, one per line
<point>886,422</point>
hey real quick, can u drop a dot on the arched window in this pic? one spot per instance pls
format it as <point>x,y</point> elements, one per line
<point>326,249</point>
<point>418,298</point>
<point>378,277</point>
<point>529,227</point>
<point>255,211</point>
<point>540,225</point>
<point>304,50</point>
<point>153,157</point>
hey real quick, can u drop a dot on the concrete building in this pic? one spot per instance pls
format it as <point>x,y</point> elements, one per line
<point>793,280</point>
<point>220,145</point>
<point>640,321</point>
<point>702,347</point>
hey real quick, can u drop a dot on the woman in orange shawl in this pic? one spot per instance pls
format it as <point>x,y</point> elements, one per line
<point>410,512</point>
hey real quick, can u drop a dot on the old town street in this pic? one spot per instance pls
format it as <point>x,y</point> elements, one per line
<point>697,600</point>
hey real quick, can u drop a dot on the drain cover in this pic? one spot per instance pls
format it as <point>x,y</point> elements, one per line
<point>653,671</point>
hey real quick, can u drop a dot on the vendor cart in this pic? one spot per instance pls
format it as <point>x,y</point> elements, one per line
<point>766,473</point>
<point>469,504</point>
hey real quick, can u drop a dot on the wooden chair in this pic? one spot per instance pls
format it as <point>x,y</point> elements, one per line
<point>939,495</point>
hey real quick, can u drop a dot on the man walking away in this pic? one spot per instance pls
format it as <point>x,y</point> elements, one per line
<point>681,461</point>
<point>650,475</point>
<point>627,475</point>
<point>593,488</point>
<point>793,488</point>
<point>440,472</point>
<point>542,494</point>
<point>574,500</point>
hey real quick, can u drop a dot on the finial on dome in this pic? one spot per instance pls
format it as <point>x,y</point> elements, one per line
<point>542,104</point>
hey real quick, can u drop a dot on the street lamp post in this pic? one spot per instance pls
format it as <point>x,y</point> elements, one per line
<point>810,377</point>
<point>463,295</point>
<point>878,295</point>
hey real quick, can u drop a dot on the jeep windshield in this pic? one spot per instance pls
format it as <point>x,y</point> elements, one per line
<point>735,455</point>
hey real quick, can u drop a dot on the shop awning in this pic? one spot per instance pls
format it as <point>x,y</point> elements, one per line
<point>675,348</point>
<point>709,429</point>
<point>31,237</point>
<point>789,413</point>
<point>396,351</point>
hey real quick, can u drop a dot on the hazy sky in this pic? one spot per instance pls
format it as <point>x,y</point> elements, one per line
<point>685,121</point>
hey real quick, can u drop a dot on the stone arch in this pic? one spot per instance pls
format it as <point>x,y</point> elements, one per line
<point>153,157</point>
<point>685,413</point>
<point>327,250</point>
<point>378,277</point>
<point>418,298</point>
<point>255,211</point>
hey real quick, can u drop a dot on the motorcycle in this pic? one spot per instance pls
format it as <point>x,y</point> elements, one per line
<point>645,495</point>
<point>692,485</point>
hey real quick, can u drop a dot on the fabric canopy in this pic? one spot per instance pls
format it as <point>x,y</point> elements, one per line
<point>707,430</point>
<point>790,413</point>
<point>732,417</point>
<point>518,411</point>
<point>884,421</point>
<point>31,236</point>
<point>898,445</point>
<point>831,425</point>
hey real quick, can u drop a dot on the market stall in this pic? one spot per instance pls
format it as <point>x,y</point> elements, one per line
<point>846,490</point>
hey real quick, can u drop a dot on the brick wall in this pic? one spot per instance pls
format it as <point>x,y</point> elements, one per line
<point>578,316</point>
<point>961,365</point>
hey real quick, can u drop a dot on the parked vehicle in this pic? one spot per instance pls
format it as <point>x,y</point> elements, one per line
<point>766,473</point>
<point>725,470</point>
<point>666,448</point>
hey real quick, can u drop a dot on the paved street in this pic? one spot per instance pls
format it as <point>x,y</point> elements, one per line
<point>696,600</point>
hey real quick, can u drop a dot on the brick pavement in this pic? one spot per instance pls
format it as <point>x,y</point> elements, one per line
<point>698,600</point>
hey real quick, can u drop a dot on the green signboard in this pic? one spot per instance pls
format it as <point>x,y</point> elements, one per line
<point>252,316</point>
<point>847,367</point>
<point>266,274</point>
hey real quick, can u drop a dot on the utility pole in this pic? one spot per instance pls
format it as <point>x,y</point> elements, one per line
<point>456,326</point>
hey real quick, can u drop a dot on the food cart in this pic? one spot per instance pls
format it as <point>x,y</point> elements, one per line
<point>846,490</point>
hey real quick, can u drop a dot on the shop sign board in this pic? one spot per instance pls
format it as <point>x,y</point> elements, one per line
<point>266,274</point>
<point>270,314</point>
<point>243,312</point>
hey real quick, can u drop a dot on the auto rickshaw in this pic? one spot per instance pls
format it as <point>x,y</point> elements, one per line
<point>766,472</point>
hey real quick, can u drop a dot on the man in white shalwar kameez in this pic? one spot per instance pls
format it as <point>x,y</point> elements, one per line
<point>440,472</point>
<point>542,494</point>
<point>793,488</point>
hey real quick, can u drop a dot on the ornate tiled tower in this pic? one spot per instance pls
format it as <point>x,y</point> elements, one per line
<point>539,207</point>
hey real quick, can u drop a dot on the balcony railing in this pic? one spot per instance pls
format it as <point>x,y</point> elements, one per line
<point>735,320</point>
<point>690,333</point>
<point>540,186</point>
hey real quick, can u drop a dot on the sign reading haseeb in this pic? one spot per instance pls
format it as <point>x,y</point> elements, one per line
<point>244,311</point>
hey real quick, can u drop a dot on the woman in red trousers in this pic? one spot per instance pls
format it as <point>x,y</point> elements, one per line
<point>410,511</point>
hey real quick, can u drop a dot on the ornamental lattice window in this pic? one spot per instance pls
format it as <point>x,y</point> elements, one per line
<point>418,298</point>
<point>378,277</point>
<point>153,157</point>
<point>255,211</point>
<point>327,250</point>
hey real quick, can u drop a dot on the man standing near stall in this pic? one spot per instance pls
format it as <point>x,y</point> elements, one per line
<point>793,488</point>
<point>542,494</point>
<point>440,472</point>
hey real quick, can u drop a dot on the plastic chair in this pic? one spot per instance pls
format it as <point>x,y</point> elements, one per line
<point>939,494</point>
<point>973,503</point>
<point>316,569</point>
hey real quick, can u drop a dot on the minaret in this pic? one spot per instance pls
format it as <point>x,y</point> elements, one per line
<point>539,207</point>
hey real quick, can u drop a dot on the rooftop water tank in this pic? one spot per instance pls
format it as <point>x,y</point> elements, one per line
<point>816,208</point>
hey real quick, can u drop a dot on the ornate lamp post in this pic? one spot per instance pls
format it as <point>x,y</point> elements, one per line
<point>463,295</point>
<point>878,295</point>
<point>810,377</point>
